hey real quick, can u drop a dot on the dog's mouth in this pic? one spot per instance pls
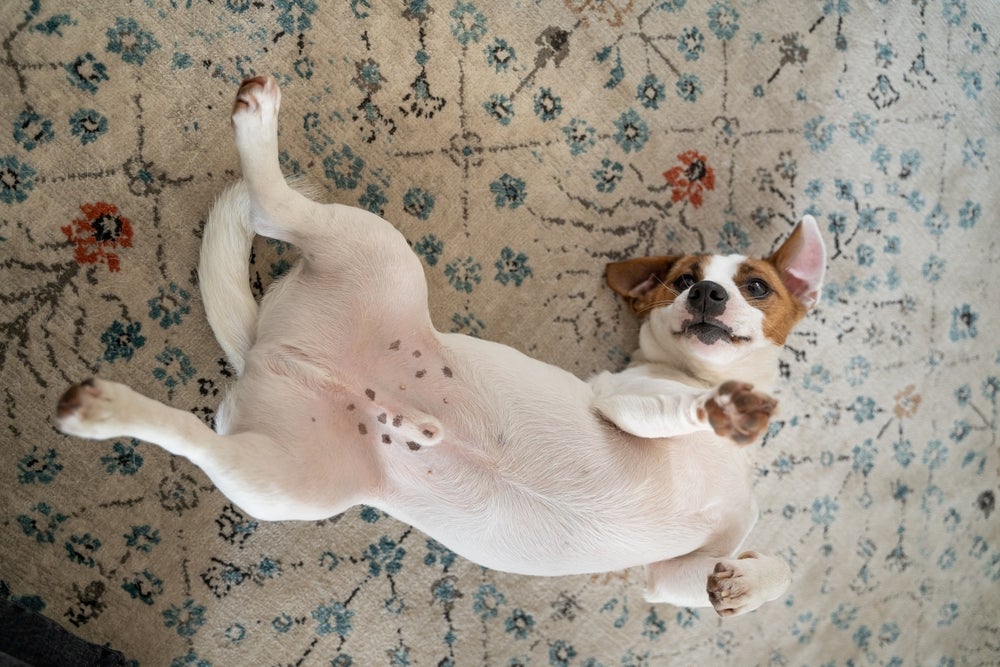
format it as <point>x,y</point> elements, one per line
<point>710,331</point>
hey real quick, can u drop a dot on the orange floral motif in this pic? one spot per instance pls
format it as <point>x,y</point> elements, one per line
<point>101,230</point>
<point>690,178</point>
<point>907,402</point>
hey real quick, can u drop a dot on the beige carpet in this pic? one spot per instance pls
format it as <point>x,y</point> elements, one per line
<point>519,146</point>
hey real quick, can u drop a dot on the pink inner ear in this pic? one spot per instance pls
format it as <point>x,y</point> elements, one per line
<point>643,287</point>
<point>803,267</point>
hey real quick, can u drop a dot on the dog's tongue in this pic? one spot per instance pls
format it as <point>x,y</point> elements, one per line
<point>709,334</point>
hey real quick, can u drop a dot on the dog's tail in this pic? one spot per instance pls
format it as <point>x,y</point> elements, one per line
<point>224,276</point>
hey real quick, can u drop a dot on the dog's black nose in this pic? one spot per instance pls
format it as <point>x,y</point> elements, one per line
<point>707,298</point>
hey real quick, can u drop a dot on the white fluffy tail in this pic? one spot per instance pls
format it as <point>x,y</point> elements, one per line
<point>224,275</point>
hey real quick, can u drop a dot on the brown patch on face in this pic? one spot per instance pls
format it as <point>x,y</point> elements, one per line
<point>397,421</point>
<point>654,282</point>
<point>781,309</point>
<point>386,440</point>
<point>382,418</point>
<point>447,372</point>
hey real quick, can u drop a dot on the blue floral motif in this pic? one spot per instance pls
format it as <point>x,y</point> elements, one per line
<point>632,133</point>
<point>333,618</point>
<point>467,324</point>
<point>186,619</point>
<point>691,43</point>
<point>501,108</point>
<point>373,199</point>
<point>732,238</point>
<point>969,214</point>
<point>468,23</point>
<point>124,459</point>
<point>31,130</point>
<point>608,175</point>
<point>86,72</point>
<point>190,659</point>
<point>81,548</point>
<point>464,274</point>
<point>144,587</point>
<point>547,106</point>
<point>344,168</point>
<point>430,248</point>
<point>16,180</point>
<point>688,87</point>
<point>500,55</point>
<point>580,136</point>
<point>963,323</point>
<point>419,203</point>
<point>824,511</point>
<point>130,41</point>
<point>508,191</point>
<point>295,14</point>
<point>38,467</point>
<point>723,21</point>
<point>561,653</point>
<point>519,624</point>
<point>44,525</point>
<point>651,92</point>
<point>384,556</point>
<point>142,538</point>
<point>88,125</point>
<point>438,554</point>
<point>170,306</point>
<point>175,368</point>
<point>487,601</point>
<point>512,268</point>
<point>818,136</point>
<point>122,340</point>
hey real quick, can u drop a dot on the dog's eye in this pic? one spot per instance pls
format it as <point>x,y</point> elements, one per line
<point>684,282</point>
<point>758,289</point>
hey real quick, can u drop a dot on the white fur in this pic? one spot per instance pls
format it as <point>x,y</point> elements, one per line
<point>502,458</point>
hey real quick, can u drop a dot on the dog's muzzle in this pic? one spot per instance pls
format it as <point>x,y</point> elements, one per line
<point>706,301</point>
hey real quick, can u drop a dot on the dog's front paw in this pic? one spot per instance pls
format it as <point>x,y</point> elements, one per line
<point>739,586</point>
<point>88,410</point>
<point>738,412</point>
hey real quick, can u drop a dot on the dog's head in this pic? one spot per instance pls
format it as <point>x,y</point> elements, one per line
<point>723,317</point>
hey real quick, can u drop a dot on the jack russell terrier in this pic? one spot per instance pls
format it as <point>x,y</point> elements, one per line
<point>347,394</point>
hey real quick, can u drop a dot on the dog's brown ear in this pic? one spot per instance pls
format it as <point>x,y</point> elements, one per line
<point>635,278</point>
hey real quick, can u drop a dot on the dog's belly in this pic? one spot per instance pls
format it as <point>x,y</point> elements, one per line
<point>536,483</point>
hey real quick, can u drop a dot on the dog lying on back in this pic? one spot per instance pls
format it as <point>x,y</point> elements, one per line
<point>347,394</point>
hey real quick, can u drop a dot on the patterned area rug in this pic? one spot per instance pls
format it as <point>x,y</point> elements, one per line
<point>519,147</point>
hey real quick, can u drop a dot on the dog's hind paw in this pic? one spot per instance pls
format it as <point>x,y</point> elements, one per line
<point>739,413</point>
<point>89,410</point>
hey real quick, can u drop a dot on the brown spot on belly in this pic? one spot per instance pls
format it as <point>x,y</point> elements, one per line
<point>350,407</point>
<point>362,429</point>
<point>421,373</point>
<point>416,354</point>
<point>382,418</point>
<point>414,447</point>
<point>394,345</point>
<point>397,421</point>
<point>447,372</point>
<point>386,439</point>
<point>370,393</point>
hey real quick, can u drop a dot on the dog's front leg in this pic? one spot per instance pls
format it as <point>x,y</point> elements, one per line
<point>658,408</point>
<point>732,586</point>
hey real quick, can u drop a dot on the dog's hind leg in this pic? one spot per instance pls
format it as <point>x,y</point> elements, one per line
<point>258,473</point>
<point>276,207</point>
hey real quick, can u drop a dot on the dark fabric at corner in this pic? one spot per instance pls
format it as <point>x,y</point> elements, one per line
<point>30,639</point>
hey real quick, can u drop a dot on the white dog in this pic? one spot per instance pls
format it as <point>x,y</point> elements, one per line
<point>347,394</point>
